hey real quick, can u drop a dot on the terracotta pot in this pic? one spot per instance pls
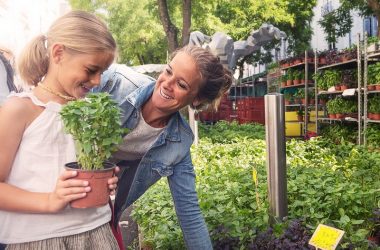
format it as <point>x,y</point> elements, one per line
<point>343,87</point>
<point>374,239</point>
<point>337,88</point>
<point>322,60</point>
<point>99,194</point>
<point>300,118</point>
<point>283,84</point>
<point>287,102</point>
<point>339,116</point>
<point>303,101</point>
<point>296,82</point>
<point>371,87</point>
<point>378,87</point>
<point>332,116</point>
<point>289,82</point>
<point>370,116</point>
<point>376,116</point>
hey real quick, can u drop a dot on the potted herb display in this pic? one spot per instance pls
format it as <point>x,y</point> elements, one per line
<point>288,98</point>
<point>374,108</point>
<point>332,78</point>
<point>373,44</point>
<point>94,123</point>
<point>289,77</point>
<point>296,77</point>
<point>331,106</point>
<point>374,77</point>
<point>300,114</point>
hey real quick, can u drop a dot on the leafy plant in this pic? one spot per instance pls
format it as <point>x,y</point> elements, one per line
<point>374,74</point>
<point>374,105</point>
<point>94,122</point>
<point>332,77</point>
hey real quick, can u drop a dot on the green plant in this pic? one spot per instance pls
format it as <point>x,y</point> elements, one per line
<point>297,75</point>
<point>373,74</point>
<point>94,123</point>
<point>300,93</point>
<point>320,81</point>
<point>290,74</point>
<point>300,112</point>
<point>334,106</point>
<point>374,105</point>
<point>332,78</point>
<point>287,96</point>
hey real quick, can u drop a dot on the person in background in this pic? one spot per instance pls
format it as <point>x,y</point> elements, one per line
<point>6,73</point>
<point>158,144</point>
<point>35,190</point>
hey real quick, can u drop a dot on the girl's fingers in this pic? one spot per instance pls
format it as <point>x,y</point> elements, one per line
<point>67,175</point>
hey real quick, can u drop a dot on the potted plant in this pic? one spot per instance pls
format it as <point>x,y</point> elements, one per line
<point>94,123</point>
<point>300,114</point>
<point>373,44</point>
<point>284,78</point>
<point>297,77</point>
<point>288,98</point>
<point>373,77</point>
<point>311,96</point>
<point>332,78</point>
<point>374,108</point>
<point>375,227</point>
<point>331,108</point>
<point>349,77</point>
<point>301,95</point>
<point>289,77</point>
<point>322,57</point>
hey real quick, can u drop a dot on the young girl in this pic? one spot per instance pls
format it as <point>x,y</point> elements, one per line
<point>35,191</point>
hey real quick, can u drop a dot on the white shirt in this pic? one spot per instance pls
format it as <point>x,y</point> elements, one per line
<point>137,142</point>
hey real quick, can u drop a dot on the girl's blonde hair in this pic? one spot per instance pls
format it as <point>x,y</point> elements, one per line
<point>79,31</point>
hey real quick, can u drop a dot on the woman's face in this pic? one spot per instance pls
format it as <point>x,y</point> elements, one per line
<point>77,74</point>
<point>178,85</point>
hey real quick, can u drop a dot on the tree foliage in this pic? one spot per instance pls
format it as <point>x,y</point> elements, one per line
<point>339,22</point>
<point>141,37</point>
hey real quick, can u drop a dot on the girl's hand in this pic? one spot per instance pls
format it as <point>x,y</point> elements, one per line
<point>66,190</point>
<point>112,182</point>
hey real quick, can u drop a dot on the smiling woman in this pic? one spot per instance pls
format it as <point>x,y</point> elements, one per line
<point>158,144</point>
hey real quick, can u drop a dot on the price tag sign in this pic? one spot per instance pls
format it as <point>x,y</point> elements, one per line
<point>326,238</point>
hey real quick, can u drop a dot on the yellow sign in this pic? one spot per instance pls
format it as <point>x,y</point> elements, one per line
<point>326,238</point>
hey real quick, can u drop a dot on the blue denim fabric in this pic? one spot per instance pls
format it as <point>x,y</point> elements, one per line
<point>168,157</point>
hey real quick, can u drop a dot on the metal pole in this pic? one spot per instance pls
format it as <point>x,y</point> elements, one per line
<point>276,154</point>
<point>359,62</point>
<point>193,124</point>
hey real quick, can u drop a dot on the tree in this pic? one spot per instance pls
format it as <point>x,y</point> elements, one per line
<point>339,22</point>
<point>146,30</point>
<point>134,25</point>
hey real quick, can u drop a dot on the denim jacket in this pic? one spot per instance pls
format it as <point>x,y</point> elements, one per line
<point>168,157</point>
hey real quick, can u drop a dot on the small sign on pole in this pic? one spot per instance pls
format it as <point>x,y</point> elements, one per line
<point>326,238</point>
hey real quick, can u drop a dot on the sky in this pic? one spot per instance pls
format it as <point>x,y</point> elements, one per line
<point>20,20</point>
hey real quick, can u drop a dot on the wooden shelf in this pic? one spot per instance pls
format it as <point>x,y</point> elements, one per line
<point>339,65</point>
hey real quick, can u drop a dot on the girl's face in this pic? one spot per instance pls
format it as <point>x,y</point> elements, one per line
<point>178,85</point>
<point>77,73</point>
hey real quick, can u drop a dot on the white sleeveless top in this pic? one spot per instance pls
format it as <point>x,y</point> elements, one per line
<point>40,159</point>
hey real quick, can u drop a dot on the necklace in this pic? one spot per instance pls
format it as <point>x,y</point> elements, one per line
<point>46,88</point>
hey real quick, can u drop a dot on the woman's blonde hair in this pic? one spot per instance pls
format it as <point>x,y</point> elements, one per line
<point>216,79</point>
<point>79,31</point>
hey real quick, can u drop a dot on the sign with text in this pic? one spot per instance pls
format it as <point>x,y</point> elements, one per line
<point>326,238</point>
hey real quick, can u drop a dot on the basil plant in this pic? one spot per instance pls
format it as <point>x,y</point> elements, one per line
<point>94,123</point>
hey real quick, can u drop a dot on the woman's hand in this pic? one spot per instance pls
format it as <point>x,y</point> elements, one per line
<point>66,190</point>
<point>112,183</point>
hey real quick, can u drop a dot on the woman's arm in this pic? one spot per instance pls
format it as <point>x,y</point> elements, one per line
<point>182,187</point>
<point>15,116</point>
